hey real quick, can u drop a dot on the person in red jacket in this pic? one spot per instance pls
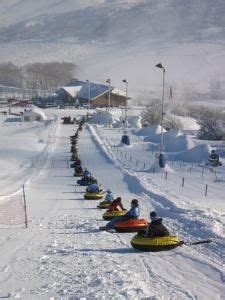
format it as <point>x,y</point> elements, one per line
<point>115,204</point>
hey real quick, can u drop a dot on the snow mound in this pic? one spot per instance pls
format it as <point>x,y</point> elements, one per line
<point>174,133</point>
<point>155,168</point>
<point>175,143</point>
<point>102,118</point>
<point>197,154</point>
<point>150,131</point>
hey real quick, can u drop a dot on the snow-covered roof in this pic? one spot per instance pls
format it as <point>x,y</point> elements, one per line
<point>81,89</point>
<point>118,92</point>
<point>72,90</point>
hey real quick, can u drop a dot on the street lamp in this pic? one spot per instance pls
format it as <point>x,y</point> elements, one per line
<point>89,93</point>
<point>125,138</point>
<point>109,97</point>
<point>162,160</point>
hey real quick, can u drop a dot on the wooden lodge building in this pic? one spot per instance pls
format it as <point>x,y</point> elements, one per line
<point>79,92</point>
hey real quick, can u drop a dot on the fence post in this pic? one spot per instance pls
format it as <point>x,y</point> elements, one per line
<point>183,182</point>
<point>136,162</point>
<point>202,171</point>
<point>144,166</point>
<point>130,158</point>
<point>68,164</point>
<point>166,175</point>
<point>25,208</point>
<point>206,190</point>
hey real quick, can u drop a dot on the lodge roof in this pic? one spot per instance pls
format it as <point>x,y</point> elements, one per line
<point>80,89</point>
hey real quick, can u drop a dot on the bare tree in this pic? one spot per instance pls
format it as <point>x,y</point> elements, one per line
<point>211,125</point>
<point>11,75</point>
<point>152,115</point>
<point>48,75</point>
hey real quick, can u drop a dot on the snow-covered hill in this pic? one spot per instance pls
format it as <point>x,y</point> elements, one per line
<point>63,255</point>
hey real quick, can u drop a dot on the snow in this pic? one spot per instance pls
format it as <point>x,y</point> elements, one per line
<point>72,90</point>
<point>150,131</point>
<point>62,254</point>
<point>102,117</point>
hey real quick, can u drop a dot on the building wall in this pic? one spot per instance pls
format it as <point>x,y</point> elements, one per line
<point>115,101</point>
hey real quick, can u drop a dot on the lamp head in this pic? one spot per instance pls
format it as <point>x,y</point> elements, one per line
<point>160,66</point>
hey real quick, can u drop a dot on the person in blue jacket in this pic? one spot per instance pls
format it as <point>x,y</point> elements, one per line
<point>109,197</point>
<point>133,213</point>
<point>93,188</point>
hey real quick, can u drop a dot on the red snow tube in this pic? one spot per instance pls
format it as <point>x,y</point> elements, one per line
<point>131,225</point>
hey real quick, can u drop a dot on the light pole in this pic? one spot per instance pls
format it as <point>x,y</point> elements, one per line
<point>126,86</point>
<point>162,160</point>
<point>109,96</point>
<point>89,93</point>
<point>125,138</point>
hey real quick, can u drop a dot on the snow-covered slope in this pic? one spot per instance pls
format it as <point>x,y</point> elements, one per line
<point>103,37</point>
<point>63,254</point>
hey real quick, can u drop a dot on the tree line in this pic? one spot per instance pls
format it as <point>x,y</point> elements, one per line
<point>38,76</point>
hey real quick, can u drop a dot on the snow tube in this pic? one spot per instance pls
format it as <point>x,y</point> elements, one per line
<point>83,182</point>
<point>78,174</point>
<point>92,196</point>
<point>131,225</point>
<point>109,215</point>
<point>104,205</point>
<point>155,244</point>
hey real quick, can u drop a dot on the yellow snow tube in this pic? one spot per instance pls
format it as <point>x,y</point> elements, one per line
<point>109,215</point>
<point>155,244</point>
<point>92,196</point>
<point>104,205</point>
<point>78,174</point>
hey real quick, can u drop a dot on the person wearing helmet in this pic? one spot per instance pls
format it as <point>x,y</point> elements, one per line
<point>109,196</point>
<point>155,227</point>
<point>133,213</point>
<point>214,156</point>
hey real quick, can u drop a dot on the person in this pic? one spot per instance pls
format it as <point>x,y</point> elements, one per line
<point>78,169</point>
<point>109,196</point>
<point>214,157</point>
<point>76,163</point>
<point>155,227</point>
<point>87,174</point>
<point>93,188</point>
<point>133,213</point>
<point>115,203</point>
